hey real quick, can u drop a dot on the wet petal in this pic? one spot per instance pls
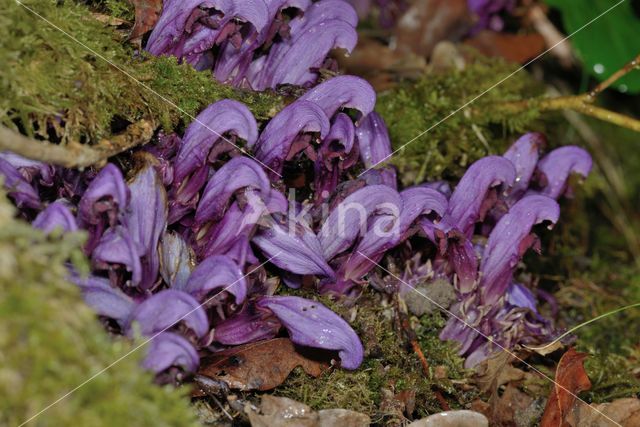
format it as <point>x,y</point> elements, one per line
<point>169,349</point>
<point>312,324</point>
<point>217,272</point>
<point>417,201</point>
<point>56,216</point>
<point>466,203</point>
<point>146,219</point>
<point>373,140</point>
<point>218,119</point>
<point>343,92</point>
<point>558,165</point>
<point>350,218</point>
<point>509,240</point>
<point>524,154</point>
<point>246,326</point>
<point>165,309</point>
<point>277,138</point>
<point>297,250</point>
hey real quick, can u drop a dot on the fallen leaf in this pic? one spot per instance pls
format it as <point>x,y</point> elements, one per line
<point>108,19</point>
<point>284,412</point>
<point>518,48</point>
<point>571,379</point>
<point>147,14</point>
<point>258,366</point>
<point>496,372</point>
<point>625,412</point>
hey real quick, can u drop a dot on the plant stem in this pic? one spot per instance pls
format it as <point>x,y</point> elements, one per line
<point>582,103</point>
<point>76,155</point>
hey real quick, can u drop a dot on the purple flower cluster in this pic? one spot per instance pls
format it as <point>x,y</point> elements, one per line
<point>189,251</point>
<point>256,43</point>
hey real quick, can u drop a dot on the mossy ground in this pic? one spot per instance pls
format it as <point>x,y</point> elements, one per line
<point>51,342</point>
<point>81,86</point>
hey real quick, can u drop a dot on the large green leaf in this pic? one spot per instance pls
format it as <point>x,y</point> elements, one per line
<point>607,44</point>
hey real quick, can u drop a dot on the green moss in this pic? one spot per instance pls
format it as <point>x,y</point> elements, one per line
<point>51,342</point>
<point>452,142</point>
<point>389,365</point>
<point>59,88</point>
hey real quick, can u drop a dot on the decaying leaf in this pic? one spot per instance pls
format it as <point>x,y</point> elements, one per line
<point>625,412</point>
<point>263,365</point>
<point>571,379</point>
<point>496,372</point>
<point>284,412</point>
<point>461,418</point>
<point>147,14</point>
<point>518,48</point>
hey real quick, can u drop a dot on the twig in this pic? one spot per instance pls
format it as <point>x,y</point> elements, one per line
<point>582,103</point>
<point>76,155</point>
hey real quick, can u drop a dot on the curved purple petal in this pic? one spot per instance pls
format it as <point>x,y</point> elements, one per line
<point>296,249</point>
<point>165,309</point>
<point>208,129</point>
<point>373,140</point>
<point>524,154</point>
<point>217,272</point>
<point>30,169</point>
<point>467,202</point>
<point>117,246</point>
<point>312,324</point>
<point>238,173</point>
<point>169,349</point>
<point>556,167</point>
<point>107,193</point>
<point>56,215</point>
<point>343,92</point>
<point>276,140</point>
<point>417,201</point>
<point>146,219</point>
<point>245,327</point>
<point>22,192</point>
<point>105,299</point>
<point>350,218</point>
<point>509,240</point>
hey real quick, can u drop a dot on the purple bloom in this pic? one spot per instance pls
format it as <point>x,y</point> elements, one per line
<point>217,272</point>
<point>295,249</point>
<point>169,349</point>
<point>166,309</point>
<point>556,167</point>
<point>375,147</point>
<point>246,326</point>
<point>240,173</point>
<point>31,169</point>
<point>105,299</point>
<point>103,203</point>
<point>117,248</point>
<point>312,324</point>
<point>343,92</point>
<point>524,154</point>
<point>56,216</point>
<point>146,220</point>
<point>294,123</point>
<point>509,240</point>
<point>20,190</point>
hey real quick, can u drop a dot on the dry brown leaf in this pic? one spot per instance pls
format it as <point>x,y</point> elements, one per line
<point>496,372</point>
<point>147,15</point>
<point>284,412</point>
<point>625,412</point>
<point>258,366</point>
<point>108,19</point>
<point>517,48</point>
<point>571,379</point>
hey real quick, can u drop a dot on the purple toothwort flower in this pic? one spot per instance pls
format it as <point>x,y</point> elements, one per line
<point>169,349</point>
<point>20,190</point>
<point>217,273</point>
<point>343,92</point>
<point>311,324</point>
<point>488,13</point>
<point>115,249</point>
<point>556,167</point>
<point>56,216</point>
<point>375,147</point>
<point>104,298</point>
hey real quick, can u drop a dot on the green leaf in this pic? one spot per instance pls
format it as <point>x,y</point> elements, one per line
<point>607,44</point>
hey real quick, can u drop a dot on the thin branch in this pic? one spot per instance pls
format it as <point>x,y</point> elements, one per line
<point>582,103</point>
<point>76,155</point>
